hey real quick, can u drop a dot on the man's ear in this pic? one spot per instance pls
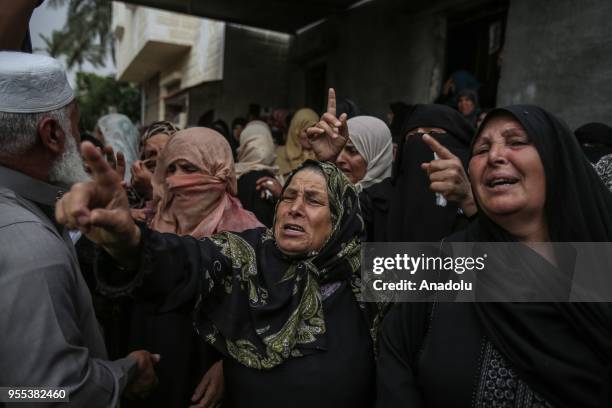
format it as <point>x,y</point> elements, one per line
<point>51,135</point>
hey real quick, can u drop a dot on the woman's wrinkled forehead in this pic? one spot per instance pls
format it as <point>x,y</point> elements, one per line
<point>331,181</point>
<point>309,184</point>
<point>500,122</point>
<point>308,178</point>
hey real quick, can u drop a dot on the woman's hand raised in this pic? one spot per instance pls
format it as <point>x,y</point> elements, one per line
<point>448,177</point>
<point>330,134</point>
<point>269,184</point>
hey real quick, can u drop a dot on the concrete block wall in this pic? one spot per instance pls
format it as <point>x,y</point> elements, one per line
<point>133,27</point>
<point>374,56</point>
<point>389,57</point>
<point>558,54</point>
<point>203,98</point>
<point>150,89</point>
<point>205,59</point>
<point>254,71</point>
<point>144,25</point>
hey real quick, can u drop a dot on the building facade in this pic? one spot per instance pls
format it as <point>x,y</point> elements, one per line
<point>187,66</point>
<point>554,53</point>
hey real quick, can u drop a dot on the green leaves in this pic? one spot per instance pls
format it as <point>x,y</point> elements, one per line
<point>96,94</point>
<point>86,36</point>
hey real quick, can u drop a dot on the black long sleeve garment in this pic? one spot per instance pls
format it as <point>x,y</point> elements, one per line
<point>177,270</point>
<point>437,356</point>
<point>251,198</point>
<point>374,202</point>
<point>343,376</point>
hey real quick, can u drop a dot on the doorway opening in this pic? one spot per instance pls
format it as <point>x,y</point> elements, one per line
<point>475,40</point>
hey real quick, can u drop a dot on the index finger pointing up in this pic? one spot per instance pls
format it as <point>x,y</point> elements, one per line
<point>436,147</point>
<point>331,101</point>
<point>100,170</point>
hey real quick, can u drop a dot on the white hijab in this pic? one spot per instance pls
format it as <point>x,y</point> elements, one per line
<point>257,150</point>
<point>372,139</point>
<point>122,135</point>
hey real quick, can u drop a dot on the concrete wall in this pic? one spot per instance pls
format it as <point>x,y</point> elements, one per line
<point>558,54</point>
<point>255,71</point>
<point>129,27</point>
<point>205,97</point>
<point>150,90</point>
<point>374,56</point>
<point>204,60</point>
<point>147,38</point>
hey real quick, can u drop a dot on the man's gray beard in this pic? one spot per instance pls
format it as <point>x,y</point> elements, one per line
<point>69,168</point>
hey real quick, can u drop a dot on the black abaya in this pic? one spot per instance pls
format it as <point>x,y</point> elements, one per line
<point>414,215</point>
<point>560,352</point>
<point>251,199</point>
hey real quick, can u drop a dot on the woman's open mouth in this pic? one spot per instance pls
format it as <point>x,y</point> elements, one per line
<point>501,183</point>
<point>293,230</point>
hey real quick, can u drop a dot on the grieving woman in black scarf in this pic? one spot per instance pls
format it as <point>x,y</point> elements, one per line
<point>427,201</point>
<point>283,306</point>
<point>532,183</point>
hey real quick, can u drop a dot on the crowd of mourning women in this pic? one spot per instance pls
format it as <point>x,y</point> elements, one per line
<point>221,267</point>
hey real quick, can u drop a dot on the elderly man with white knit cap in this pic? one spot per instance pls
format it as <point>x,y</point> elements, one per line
<point>50,336</point>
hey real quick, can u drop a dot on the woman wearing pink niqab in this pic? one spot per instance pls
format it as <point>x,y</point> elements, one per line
<point>196,184</point>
